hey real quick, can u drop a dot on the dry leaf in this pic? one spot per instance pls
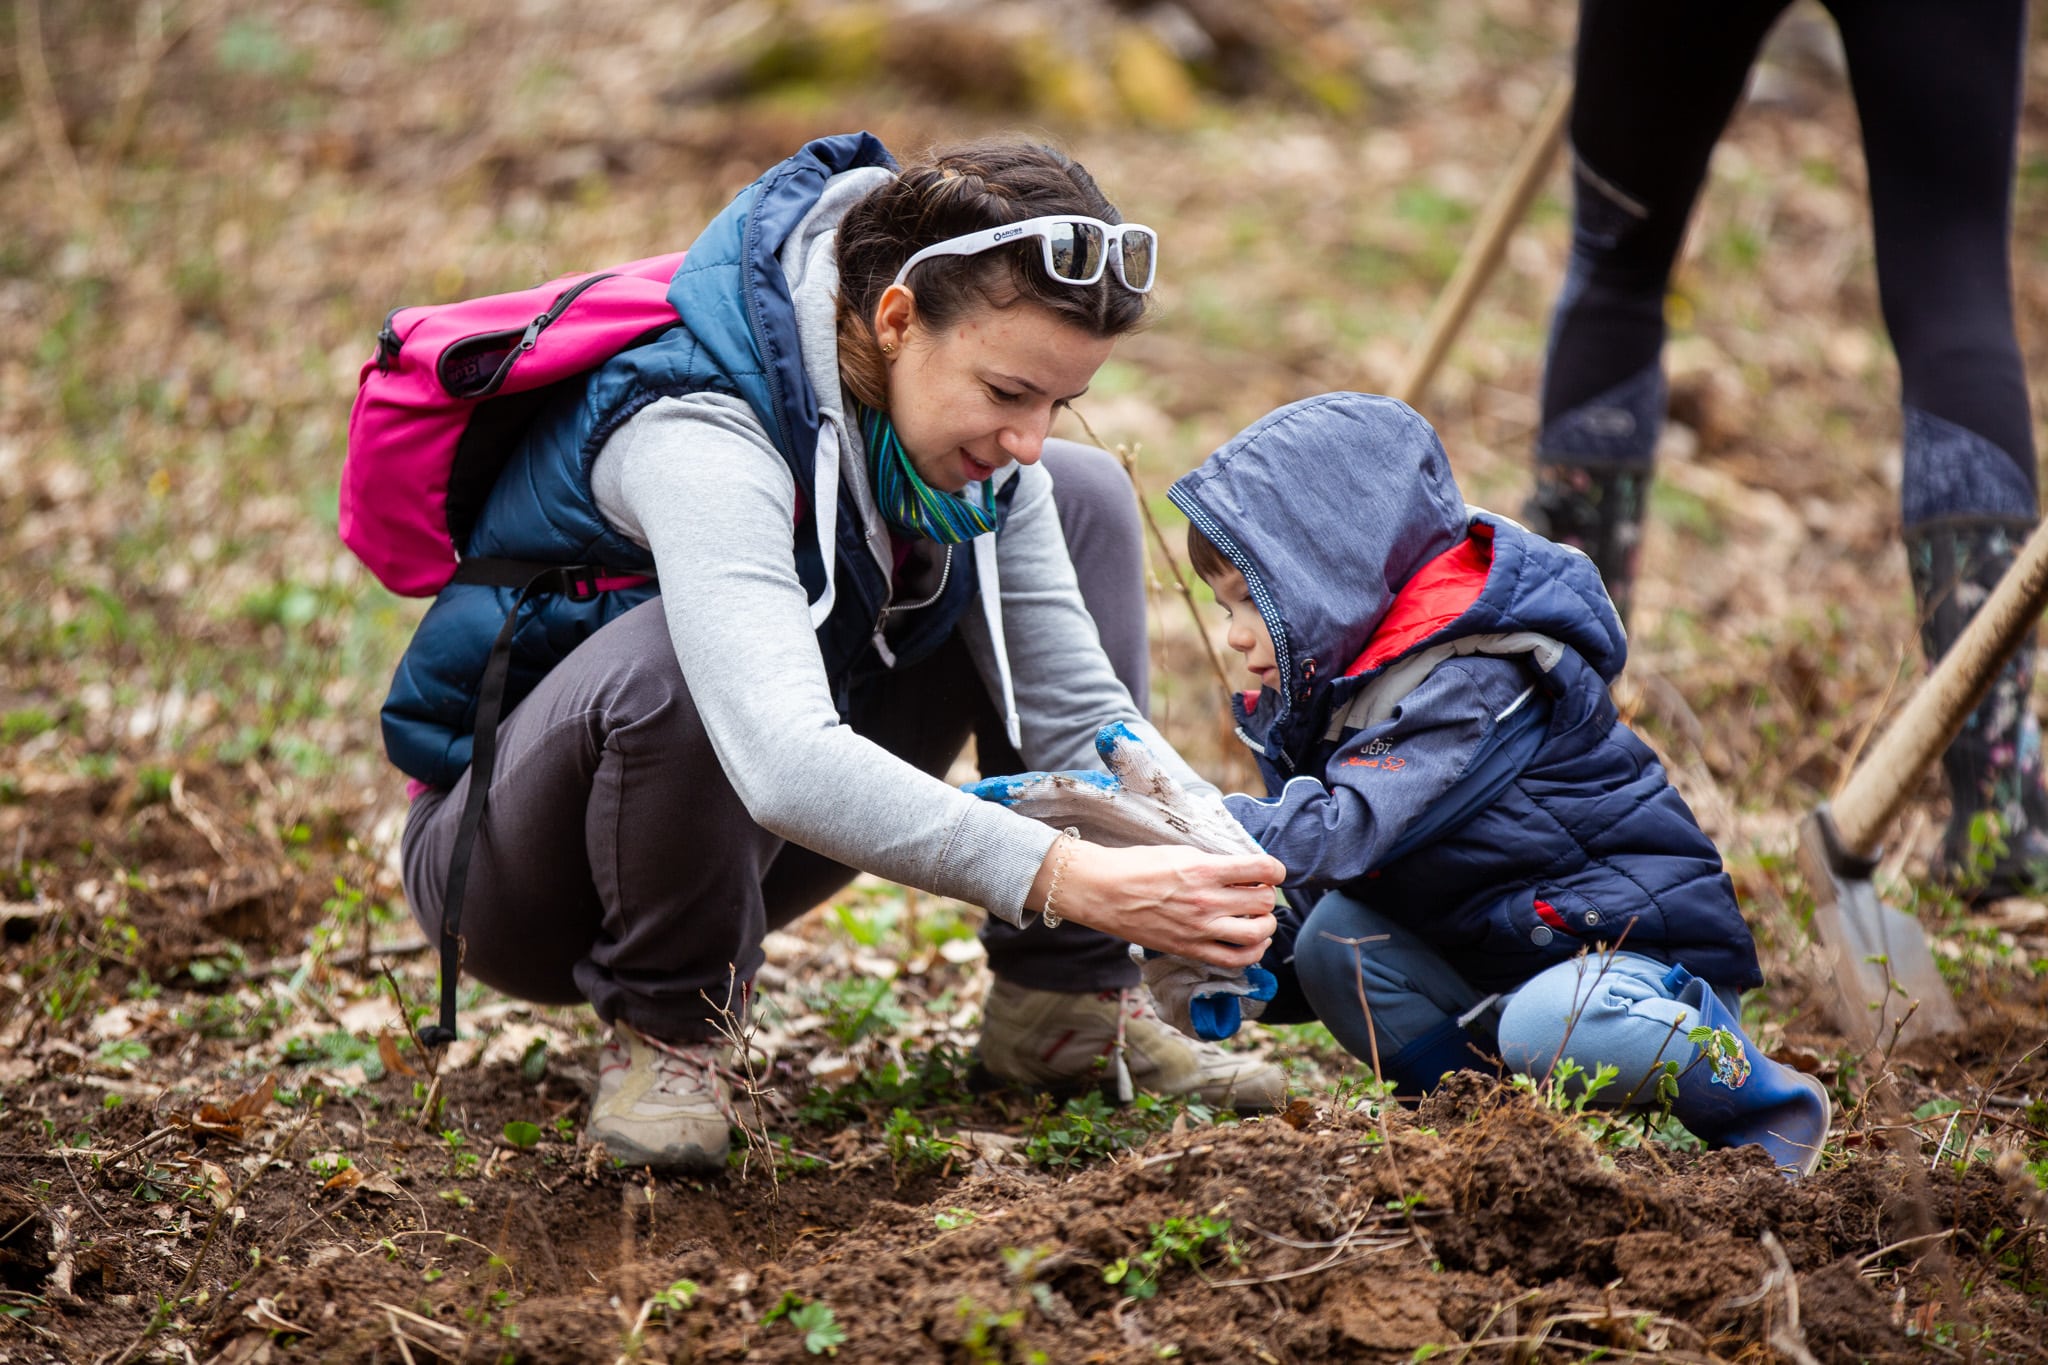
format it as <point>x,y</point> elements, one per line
<point>214,1183</point>
<point>387,1048</point>
<point>237,1121</point>
<point>1298,1113</point>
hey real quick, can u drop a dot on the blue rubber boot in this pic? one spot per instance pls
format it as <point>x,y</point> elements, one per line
<point>1734,1100</point>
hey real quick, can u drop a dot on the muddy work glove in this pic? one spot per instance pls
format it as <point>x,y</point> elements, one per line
<point>1137,802</point>
<point>1205,1002</point>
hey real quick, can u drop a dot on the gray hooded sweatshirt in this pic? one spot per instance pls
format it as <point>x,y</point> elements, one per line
<point>742,624</point>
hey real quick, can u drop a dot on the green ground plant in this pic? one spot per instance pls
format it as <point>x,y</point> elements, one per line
<point>915,1145</point>
<point>1191,1242</point>
<point>821,1332</point>
<point>858,1008</point>
<point>994,1337</point>
<point>1090,1128</point>
<point>924,1080</point>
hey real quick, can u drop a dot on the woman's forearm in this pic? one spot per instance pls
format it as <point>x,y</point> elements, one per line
<point>1211,907</point>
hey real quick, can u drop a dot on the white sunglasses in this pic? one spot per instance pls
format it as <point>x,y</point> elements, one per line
<point>1077,250</point>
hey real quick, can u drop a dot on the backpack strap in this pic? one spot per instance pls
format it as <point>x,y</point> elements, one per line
<point>578,582</point>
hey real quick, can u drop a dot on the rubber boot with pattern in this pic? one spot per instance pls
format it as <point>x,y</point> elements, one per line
<point>1595,459</point>
<point>1068,1044</point>
<point>1597,508</point>
<point>1993,765</point>
<point>1734,1099</point>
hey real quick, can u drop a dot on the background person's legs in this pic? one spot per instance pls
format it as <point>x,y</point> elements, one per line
<point>1653,88</point>
<point>1938,91</point>
<point>1415,996</point>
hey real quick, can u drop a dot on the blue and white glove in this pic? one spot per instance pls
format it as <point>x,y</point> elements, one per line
<point>1137,802</point>
<point>1205,1002</point>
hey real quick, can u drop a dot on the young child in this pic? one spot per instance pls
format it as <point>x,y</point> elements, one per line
<point>1476,845</point>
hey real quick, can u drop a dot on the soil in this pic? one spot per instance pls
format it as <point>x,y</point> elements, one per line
<point>1480,1218</point>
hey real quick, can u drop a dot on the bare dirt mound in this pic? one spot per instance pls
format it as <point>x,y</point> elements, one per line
<point>1484,1221</point>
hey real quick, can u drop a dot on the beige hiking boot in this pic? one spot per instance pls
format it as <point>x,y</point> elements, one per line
<point>1065,1043</point>
<point>662,1105</point>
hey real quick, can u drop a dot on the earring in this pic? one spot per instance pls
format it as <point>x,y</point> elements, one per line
<point>888,348</point>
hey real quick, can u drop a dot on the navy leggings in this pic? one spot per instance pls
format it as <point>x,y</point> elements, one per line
<point>1937,88</point>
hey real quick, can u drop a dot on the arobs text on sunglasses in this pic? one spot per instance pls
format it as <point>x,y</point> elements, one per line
<point>1076,250</point>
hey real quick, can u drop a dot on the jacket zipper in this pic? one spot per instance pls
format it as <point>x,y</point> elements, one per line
<point>888,608</point>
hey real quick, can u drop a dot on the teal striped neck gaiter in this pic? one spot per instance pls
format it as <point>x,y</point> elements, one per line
<point>909,502</point>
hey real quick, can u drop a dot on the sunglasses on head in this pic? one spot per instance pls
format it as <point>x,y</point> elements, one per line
<point>1076,250</point>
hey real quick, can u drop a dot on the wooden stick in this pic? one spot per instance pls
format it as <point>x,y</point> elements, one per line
<point>1510,203</point>
<point>1180,581</point>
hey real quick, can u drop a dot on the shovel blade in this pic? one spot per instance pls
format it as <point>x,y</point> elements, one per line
<point>1882,966</point>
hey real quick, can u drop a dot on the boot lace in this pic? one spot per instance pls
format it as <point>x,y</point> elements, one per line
<point>690,1069</point>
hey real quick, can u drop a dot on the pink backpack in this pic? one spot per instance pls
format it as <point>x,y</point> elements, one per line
<point>431,429</point>
<point>438,409</point>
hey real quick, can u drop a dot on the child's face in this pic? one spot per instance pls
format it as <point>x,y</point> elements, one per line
<point>1247,634</point>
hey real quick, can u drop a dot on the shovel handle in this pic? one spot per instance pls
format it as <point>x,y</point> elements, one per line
<point>1932,716</point>
<point>1507,208</point>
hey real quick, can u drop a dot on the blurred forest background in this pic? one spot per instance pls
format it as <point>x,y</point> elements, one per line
<point>212,205</point>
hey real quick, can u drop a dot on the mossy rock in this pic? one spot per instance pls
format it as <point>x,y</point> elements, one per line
<point>1151,83</point>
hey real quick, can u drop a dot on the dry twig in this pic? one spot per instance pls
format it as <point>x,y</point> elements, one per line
<point>1128,456</point>
<point>738,1030</point>
<point>1788,1336</point>
<point>46,116</point>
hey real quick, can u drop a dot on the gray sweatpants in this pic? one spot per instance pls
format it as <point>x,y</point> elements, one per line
<point>617,865</point>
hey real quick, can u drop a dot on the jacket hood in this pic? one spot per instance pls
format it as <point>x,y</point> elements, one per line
<point>733,291</point>
<point>1330,506</point>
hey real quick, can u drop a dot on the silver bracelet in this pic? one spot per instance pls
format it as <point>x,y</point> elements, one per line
<point>1072,837</point>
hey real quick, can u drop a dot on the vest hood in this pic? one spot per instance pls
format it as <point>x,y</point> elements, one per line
<point>1330,506</point>
<point>735,296</point>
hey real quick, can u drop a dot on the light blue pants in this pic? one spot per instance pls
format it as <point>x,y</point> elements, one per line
<point>1602,1008</point>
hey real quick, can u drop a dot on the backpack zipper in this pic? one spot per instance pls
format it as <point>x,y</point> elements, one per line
<point>533,329</point>
<point>470,345</point>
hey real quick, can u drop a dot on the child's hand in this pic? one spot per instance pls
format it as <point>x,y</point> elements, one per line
<point>1202,1001</point>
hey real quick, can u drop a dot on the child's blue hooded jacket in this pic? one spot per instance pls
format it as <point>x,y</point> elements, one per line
<point>1420,642</point>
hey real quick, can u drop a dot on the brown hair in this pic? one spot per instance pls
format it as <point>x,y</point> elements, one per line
<point>1206,559</point>
<point>949,192</point>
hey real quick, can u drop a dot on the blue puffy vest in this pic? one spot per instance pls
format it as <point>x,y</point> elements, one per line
<point>737,335</point>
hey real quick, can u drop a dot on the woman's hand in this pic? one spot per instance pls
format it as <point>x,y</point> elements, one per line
<point>1214,908</point>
